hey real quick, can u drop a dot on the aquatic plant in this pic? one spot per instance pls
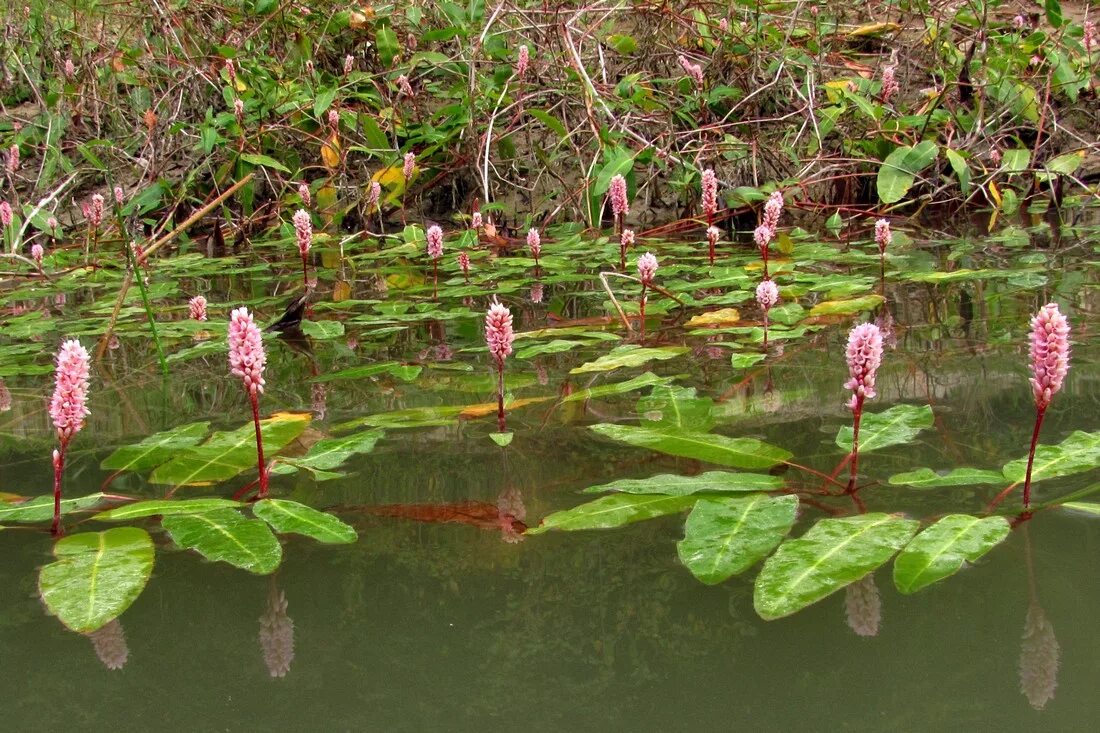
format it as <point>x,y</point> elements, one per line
<point>434,239</point>
<point>864,356</point>
<point>499,337</point>
<point>620,202</point>
<point>713,235</point>
<point>534,243</point>
<point>647,268</point>
<point>247,360</point>
<point>763,236</point>
<point>464,265</point>
<point>767,295</point>
<point>626,241</point>
<point>303,231</point>
<point>1049,357</point>
<point>197,308</point>
<point>68,408</point>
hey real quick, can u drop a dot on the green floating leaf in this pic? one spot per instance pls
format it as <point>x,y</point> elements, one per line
<point>834,553</point>
<point>926,478</point>
<point>941,550</point>
<point>676,408</point>
<point>165,508</point>
<point>40,508</point>
<point>225,535</point>
<point>290,516</point>
<point>404,372</point>
<point>728,535</point>
<point>898,425</point>
<point>712,482</point>
<point>740,360</point>
<point>1086,507</point>
<point>736,452</point>
<point>846,307</point>
<point>613,511</point>
<point>648,379</point>
<point>96,576</point>
<point>331,453</point>
<point>629,356</point>
<point>156,449</point>
<point>323,330</point>
<point>1078,453</point>
<point>502,439</point>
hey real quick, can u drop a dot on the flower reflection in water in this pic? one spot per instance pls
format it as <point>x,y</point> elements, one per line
<point>109,643</point>
<point>863,606</point>
<point>277,633</point>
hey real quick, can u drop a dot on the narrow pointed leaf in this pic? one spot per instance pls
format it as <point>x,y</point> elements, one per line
<point>834,553</point>
<point>1085,507</point>
<point>225,535</point>
<point>711,482</point>
<point>1078,453</point>
<point>614,511</point>
<point>156,449</point>
<point>290,516</point>
<point>96,576</point>
<point>40,508</point>
<point>629,356</point>
<point>165,508</point>
<point>940,550</point>
<point>737,452</point>
<point>926,478</point>
<point>896,426</point>
<point>605,390</point>
<point>728,535</point>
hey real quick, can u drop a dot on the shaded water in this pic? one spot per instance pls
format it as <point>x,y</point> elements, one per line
<point>459,626</point>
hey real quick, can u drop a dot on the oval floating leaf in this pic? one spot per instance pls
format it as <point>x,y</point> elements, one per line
<point>613,511</point>
<point>676,408</point>
<point>629,356</point>
<point>926,478</point>
<point>40,508</point>
<point>290,516</point>
<point>648,379</point>
<point>940,550</point>
<point>223,534</point>
<point>1078,453</point>
<point>737,452</point>
<point>712,482</point>
<point>834,553</point>
<point>96,576</point>
<point>846,307</point>
<point>898,425</point>
<point>156,449</point>
<point>165,508</point>
<point>728,535</point>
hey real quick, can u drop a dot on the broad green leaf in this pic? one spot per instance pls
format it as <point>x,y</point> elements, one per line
<point>1054,13</point>
<point>614,511</point>
<point>1086,507</point>
<point>606,390</point>
<point>405,372</point>
<point>898,425</point>
<point>926,478</point>
<point>40,508</point>
<point>846,307</point>
<point>226,455</point>
<point>290,516</point>
<point>556,346</point>
<point>1066,163</point>
<point>728,535</point>
<point>900,168</point>
<point>265,161</point>
<point>386,41</point>
<point>744,361</point>
<point>625,45</point>
<point>165,508</point>
<point>96,576</point>
<point>1015,160</point>
<point>225,535</point>
<point>834,553</point>
<point>676,408</point>
<point>724,451</point>
<point>156,449</point>
<point>961,168</point>
<point>551,122</point>
<point>330,453</point>
<point>711,482</point>
<point>940,550</point>
<point>1078,453</point>
<point>322,330</point>
<point>629,356</point>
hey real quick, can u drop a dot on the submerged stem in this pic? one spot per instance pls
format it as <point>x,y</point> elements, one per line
<point>1040,412</point>
<point>58,469</point>
<point>259,445</point>
<point>854,465</point>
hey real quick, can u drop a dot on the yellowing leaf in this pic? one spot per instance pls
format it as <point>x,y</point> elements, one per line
<point>330,152</point>
<point>874,29</point>
<point>489,408</point>
<point>719,317</point>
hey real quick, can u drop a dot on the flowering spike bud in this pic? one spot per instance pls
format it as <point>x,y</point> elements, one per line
<point>713,235</point>
<point>277,635</point>
<point>69,405</point>
<point>475,220</point>
<point>36,254</point>
<point>883,236</point>
<point>6,214</point>
<point>763,236</point>
<point>464,262</point>
<point>890,84</point>
<point>647,268</point>
<point>334,119</point>
<point>120,195</point>
<point>1049,353</point>
<point>767,295</point>
<point>96,210</point>
<point>864,356</point>
<point>349,64</point>
<point>435,242</point>
<point>52,224</point>
<point>534,242</point>
<point>375,194</point>
<point>695,71</point>
<point>197,308</point>
<point>626,240</point>
<point>246,350</point>
<point>620,204</point>
<point>309,67</point>
<point>1090,36</point>
<point>304,194</point>
<point>303,230</point>
<point>404,88</point>
<point>724,25</point>
<point>498,332</point>
<point>70,69</point>
<point>231,69</point>
<point>523,59</point>
<point>238,111</point>
<point>710,193</point>
<point>773,208</point>
<point>407,168</point>
<point>13,159</point>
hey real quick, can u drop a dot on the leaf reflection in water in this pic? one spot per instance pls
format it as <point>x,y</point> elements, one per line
<point>506,515</point>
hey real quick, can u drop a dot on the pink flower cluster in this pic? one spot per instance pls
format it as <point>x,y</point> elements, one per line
<point>52,224</point>
<point>864,355</point>
<point>695,71</point>
<point>498,332</point>
<point>883,236</point>
<point>403,86</point>
<point>620,204</point>
<point>304,194</point>
<point>464,262</point>
<point>349,64</point>
<point>773,208</point>
<point>710,193</point>
<point>890,85</point>
<point>647,268</point>
<point>475,220</point>
<point>763,236</point>
<point>1090,36</point>
<point>626,239</point>
<point>238,110</point>
<point>246,350</point>
<point>37,253</point>
<point>197,308</point>
<point>1049,353</point>
<point>534,242</point>
<point>120,195</point>
<point>713,235</point>
<point>6,214</point>
<point>69,405</point>
<point>95,212</point>
<point>523,60</point>
<point>303,230</point>
<point>375,194</point>
<point>435,242</point>
<point>13,159</point>
<point>767,295</point>
<point>407,168</point>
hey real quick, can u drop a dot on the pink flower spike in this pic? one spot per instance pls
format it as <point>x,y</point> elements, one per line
<point>230,69</point>
<point>349,64</point>
<point>120,196</point>
<point>464,262</point>
<point>767,295</point>
<point>647,268</point>
<point>246,351</point>
<point>626,240</point>
<point>70,69</point>
<point>303,230</point>
<point>498,332</point>
<point>883,236</point>
<point>375,194</point>
<point>197,308</point>
<point>890,85</point>
<point>6,214</point>
<point>523,59</point>
<point>620,204</point>
<point>695,71</point>
<point>1090,36</point>
<point>403,86</point>
<point>773,208</point>
<point>864,356</point>
<point>710,193</point>
<point>13,159</point>
<point>1049,353</point>
<point>36,254</point>
<point>713,235</point>
<point>238,110</point>
<point>96,212</point>
<point>534,242</point>
<point>763,236</point>
<point>475,220</point>
<point>407,168</point>
<point>52,224</point>
<point>69,405</point>
<point>435,242</point>
<point>304,194</point>
<point>334,119</point>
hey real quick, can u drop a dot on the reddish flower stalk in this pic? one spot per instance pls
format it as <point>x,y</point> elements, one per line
<point>864,356</point>
<point>303,230</point>
<point>620,202</point>
<point>464,265</point>
<point>247,360</point>
<point>883,238</point>
<point>1049,364</point>
<point>435,251</point>
<point>68,408</point>
<point>626,241</point>
<point>499,337</point>
<point>763,236</point>
<point>713,235</point>
<point>767,295</point>
<point>647,268</point>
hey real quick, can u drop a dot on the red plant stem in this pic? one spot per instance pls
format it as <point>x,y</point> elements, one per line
<point>641,309</point>
<point>305,272</point>
<point>710,250</point>
<point>765,330</point>
<point>764,251</point>
<point>882,273</point>
<point>500,396</point>
<point>1039,413</point>
<point>857,414</point>
<point>58,469</point>
<point>435,279</point>
<point>622,255</point>
<point>259,445</point>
